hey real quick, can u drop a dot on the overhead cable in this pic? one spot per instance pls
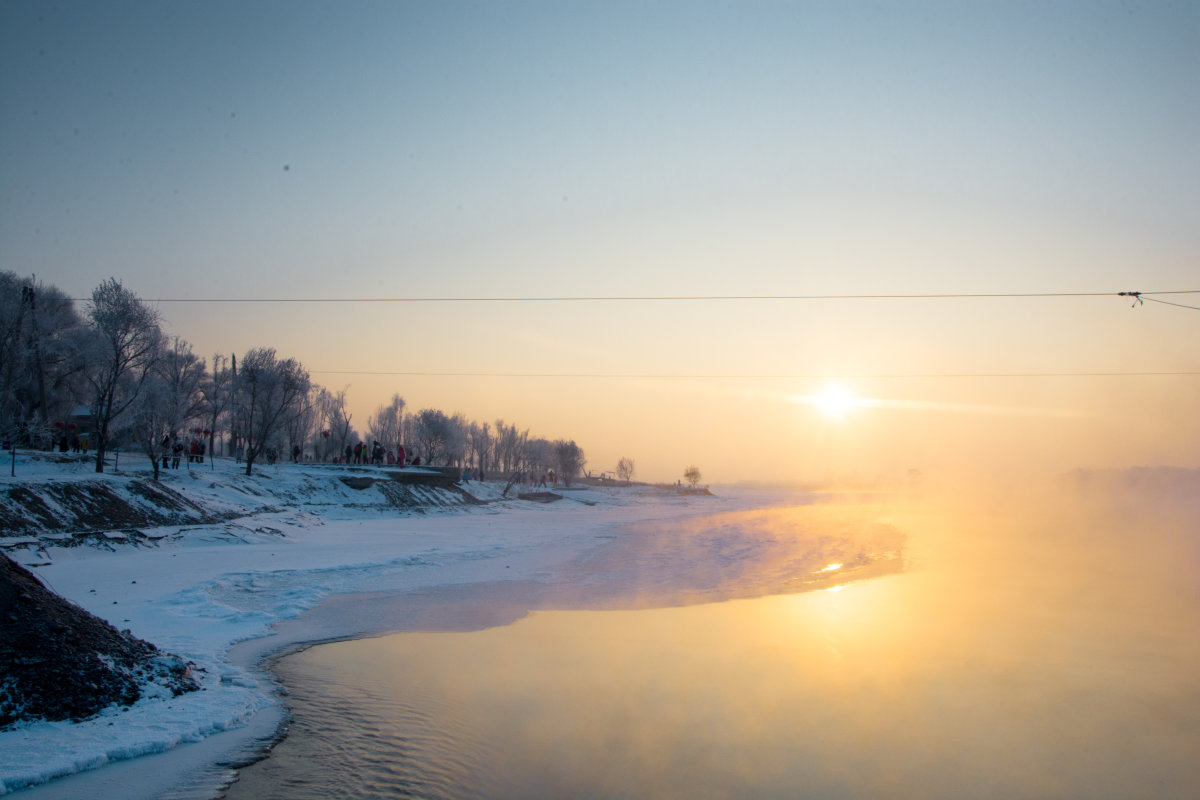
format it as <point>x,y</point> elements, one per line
<point>1167,303</point>
<point>775,376</point>
<point>663,298</point>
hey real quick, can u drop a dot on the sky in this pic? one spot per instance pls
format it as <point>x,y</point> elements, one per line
<point>399,151</point>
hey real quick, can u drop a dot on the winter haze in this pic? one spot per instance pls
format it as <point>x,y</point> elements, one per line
<point>309,150</point>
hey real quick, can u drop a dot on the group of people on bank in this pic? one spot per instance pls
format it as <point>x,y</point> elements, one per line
<point>357,453</point>
<point>173,452</point>
<point>75,444</point>
<point>377,454</point>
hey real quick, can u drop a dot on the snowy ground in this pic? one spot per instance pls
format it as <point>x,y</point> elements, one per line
<point>202,589</point>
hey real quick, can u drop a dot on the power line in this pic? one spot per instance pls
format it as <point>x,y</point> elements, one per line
<point>666,298</point>
<point>1166,303</point>
<point>814,376</point>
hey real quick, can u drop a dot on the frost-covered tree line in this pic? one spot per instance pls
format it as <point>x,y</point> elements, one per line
<point>108,376</point>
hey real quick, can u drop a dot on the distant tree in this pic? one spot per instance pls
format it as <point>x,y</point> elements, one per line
<point>217,392</point>
<point>537,455</point>
<point>268,392</point>
<point>509,447</point>
<point>58,338</point>
<point>625,469</point>
<point>692,476</point>
<point>568,460</point>
<point>34,431</point>
<point>40,365</point>
<point>148,423</point>
<point>333,416</point>
<point>456,440</point>
<point>183,375</point>
<point>12,351</point>
<point>385,424</point>
<point>326,444</point>
<point>301,424</point>
<point>124,346</point>
<point>431,431</point>
<point>169,402</point>
<point>479,445</point>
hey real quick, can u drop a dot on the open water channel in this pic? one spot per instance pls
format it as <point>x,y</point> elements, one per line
<point>1013,656</point>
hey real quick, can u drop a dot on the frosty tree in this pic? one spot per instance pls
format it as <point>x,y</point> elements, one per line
<point>170,398</point>
<point>301,423</point>
<point>40,340</point>
<point>568,460</point>
<point>217,391</point>
<point>384,425</point>
<point>333,416</point>
<point>537,455</point>
<point>147,424</point>
<point>692,475</point>
<point>479,444</point>
<point>268,390</point>
<point>625,469</point>
<point>509,446</point>
<point>183,374</point>
<point>432,431</point>
<point>123,349</point>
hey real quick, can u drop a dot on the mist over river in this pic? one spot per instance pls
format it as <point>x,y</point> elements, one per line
<point>1034,643</point>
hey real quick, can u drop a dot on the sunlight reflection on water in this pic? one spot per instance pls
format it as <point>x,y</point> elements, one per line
<point>991,670</point>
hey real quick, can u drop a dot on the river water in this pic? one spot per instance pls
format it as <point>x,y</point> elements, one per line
<point>1014,656</point>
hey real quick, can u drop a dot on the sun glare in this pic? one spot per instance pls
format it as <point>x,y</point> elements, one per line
<point>834,401</point>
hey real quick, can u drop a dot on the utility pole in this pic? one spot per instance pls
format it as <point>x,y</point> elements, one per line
<point>29,296</point>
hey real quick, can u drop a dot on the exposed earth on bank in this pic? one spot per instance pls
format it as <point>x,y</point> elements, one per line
<point>59,662</point>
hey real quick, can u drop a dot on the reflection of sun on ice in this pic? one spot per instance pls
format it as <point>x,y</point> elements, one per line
<point>833,568</point>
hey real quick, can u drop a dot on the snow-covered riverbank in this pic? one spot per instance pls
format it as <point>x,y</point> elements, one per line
<point>196,590</point>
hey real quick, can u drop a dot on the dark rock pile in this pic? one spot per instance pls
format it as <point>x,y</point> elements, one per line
<point>60,662</point>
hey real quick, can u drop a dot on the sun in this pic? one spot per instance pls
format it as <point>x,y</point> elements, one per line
<point>834,401</point>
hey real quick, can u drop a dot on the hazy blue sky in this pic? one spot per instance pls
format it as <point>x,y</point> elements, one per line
<point>322,149</point>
